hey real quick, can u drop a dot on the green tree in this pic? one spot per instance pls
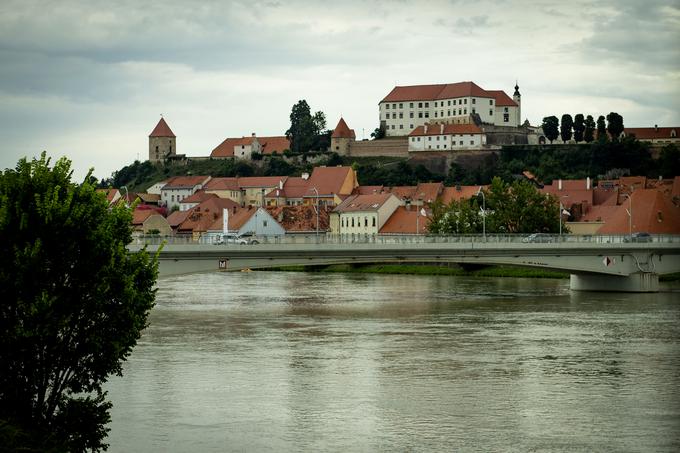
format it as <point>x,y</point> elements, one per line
<point>601,129</point>
<point>74,302</point>
<point>579,127</point>
<point>378,133</point>
<point>669,161</point>
<point>550,127</point>
<point>304,128</point>
<point>565,127</point>
<point>458,217</point>
<point>588,134</point>
<point>614,125</point>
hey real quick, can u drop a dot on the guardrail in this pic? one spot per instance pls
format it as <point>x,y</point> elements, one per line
<point>412,239</point>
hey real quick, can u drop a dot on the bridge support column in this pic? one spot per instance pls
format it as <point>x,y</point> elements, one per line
<point>635,283</point>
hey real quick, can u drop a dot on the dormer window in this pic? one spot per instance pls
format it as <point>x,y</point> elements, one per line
<point>673,134</point>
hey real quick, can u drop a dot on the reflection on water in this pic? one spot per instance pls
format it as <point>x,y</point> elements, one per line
<point>267,361</point>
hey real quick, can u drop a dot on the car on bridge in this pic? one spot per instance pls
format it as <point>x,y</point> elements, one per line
<point>245,239</point>
<point>638,237</point>
<point>539,237</point>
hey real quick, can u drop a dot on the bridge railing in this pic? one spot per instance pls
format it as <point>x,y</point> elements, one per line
<point>410,239</point>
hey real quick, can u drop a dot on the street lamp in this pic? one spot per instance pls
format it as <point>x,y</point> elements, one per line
<point>418,216</point>
<point>481,192</point>
<point>629,211</point>
<point>317,210</point>
<point>561,211</point>
<point>126,195</point>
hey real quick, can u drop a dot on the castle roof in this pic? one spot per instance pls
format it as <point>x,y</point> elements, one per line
<point>343,131</point>
<point>650,133</point>
<point>443,91</point>
<point>162,130</point>
<point>502,99</point>
<point>448,129</point>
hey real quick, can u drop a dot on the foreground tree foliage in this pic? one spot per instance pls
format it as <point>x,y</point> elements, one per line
<point>510,208</point>
<point>73,304</point>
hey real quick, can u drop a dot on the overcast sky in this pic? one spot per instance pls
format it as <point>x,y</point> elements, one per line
<point>89,79</point>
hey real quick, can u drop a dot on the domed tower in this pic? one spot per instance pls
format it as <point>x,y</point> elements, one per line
<point>161,142</point>
<point>518,99</point>
<point>342,138</point>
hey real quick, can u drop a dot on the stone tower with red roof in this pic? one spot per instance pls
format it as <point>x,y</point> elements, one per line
<point>162,143</point>
<point>342,138</point>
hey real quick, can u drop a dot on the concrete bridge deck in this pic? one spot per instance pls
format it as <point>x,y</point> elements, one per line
<point>607,263</point>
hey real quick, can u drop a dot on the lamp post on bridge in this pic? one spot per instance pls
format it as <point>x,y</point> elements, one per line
<point>317,210</point>
<point>481,192</point>
<point>629,211</point>
<point>561,210</point>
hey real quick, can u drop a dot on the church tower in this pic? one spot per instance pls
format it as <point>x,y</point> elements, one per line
<point>161,143</point>
<point>518,99</point>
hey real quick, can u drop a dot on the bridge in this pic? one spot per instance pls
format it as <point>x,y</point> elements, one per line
<point>596,263</point>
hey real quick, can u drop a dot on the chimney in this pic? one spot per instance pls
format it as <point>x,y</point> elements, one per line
<point>280,186</point>
<point>441,129</point>
<point>588,183</point>
<point>559,185</point>
<point>425,129</point>
<point>305,176</point>
<point>656,128</point>
<point>253,135</point>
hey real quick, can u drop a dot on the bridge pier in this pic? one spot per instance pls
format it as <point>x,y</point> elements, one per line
<point>639,282</point>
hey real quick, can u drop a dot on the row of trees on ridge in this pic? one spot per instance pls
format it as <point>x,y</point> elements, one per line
<point>583,129</point>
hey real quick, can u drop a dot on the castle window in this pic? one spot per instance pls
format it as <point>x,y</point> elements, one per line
<point>420,105</point>
<point>373,221</point>
<point>401,115</point>
<point>437,137</point>
<point>401,106</point>
<point>506,118</point>
<point>394,106</point>
<point>474,101</point>
<point>437,146</point>
<point>505,109</point>
<point>444,145</point>
<point>427,114</point>
<point>490,101</point>
<point>441,113</point>
<point>411,105</point>
<point>465,101</point>
<point>465,111</point>
<point>473,111</point>
<point>427,105</point>
<point>449,103</point>
<point>460,111</point>
<point>401,126</point>
<point>490,112</point>
<point>393,126</point>
<point>448,113</point>
<point>435,114</point>
<point>420,114</point>
<point>418,138</point>
<point>156,148</point>
<point>394,116</point>
<point>411,115</point>
<point>429,139</point>
<point>387,106</point>
<point>461,143</point>
<point>472,142</point>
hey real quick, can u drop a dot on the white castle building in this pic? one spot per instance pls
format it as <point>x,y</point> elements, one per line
<point>407,107</point>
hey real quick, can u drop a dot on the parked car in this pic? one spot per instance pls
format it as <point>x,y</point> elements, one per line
<point>245,239</point>
<point>638,237</point>
<point>539,237</point>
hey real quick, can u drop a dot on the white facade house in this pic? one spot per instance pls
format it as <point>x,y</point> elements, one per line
<point>251,220</point>
<point>407,107</point>
<point>156,188</point>
<point>363,214</point>
<point>446,137</point>
<point>180,187</point>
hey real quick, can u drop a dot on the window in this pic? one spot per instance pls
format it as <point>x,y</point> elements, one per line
<point>490,101</point>
<point>435,114</point>
<point>394,106</point>
<point>393,126</point>
<point>454,101</point>
<point>243,147</point>
<point>427,104</point>
<point>473,111</point>
<point>401,126</point>
<point>410,115</point>
<point>465,101</point>
<point>437,146</point>
<point>461,143</point>
<point>505,109</point>
<point>418,138</point>
<point>401,115</point>
<point>435,104</point>
<point>264,223</point>
<point>420,105</point>
<point>373,221</point>
<point>474,101</point>
<point>413,139</point>
<point>429,139</point>
<point>448,113</point>
<point>437,137</point>
<point>410,126</point>
<point>420,114</point>
<point>444,145</point>
<point>441,113</point>
<point>401,106</point>
<point>387,106</point>
<point>394,116</point>
<point>490,112</point>
<point>156,148</point>
<point>506,118</point>
<point>460,111</point>
<point>365,221</point>
<point>411,105</point>
<point>427,114</point>
<point>352,221</point>
<point>472,142</point>
<point>449,103</point>
<point>464,111</point>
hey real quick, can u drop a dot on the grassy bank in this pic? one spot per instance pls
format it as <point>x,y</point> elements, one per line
<point>417,269</point>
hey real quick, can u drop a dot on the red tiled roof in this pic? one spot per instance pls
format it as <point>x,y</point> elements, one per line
<point>110,193</point>
<point>198,197</point>
<point>367,190</point>
<point>600,213</point>
<point>222,184</point>
<point>459,193</point>
<point>299,219</point>
<point>237,218</point>
<point>428,191</point>
<point>149,197</point>
<point>162,130</point>
<point>140,215</point>
<point>403,192</point>
<point>226,148</point>
<point>436,129</point>
<point>177,217</point>
<point>628,183</point>
<point>442,91</point>
<point>404,221</point>
<point>605,197</point>
<point>329,180</point>
<point>502,99</point>
<point>261,181</point>
<point>271,145</point>
<point>293,187</point>
<point>652,133</point>
<point>184,182</point>
<point>652,213</point>
<point>342,130</point>
<point>357,203</point>
<point>201,217</point>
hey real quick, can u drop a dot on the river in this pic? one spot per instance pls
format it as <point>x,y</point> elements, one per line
<point>275,361</point>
